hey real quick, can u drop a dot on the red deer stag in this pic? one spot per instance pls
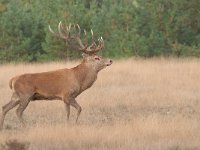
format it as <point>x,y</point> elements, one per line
<point>64,84</point>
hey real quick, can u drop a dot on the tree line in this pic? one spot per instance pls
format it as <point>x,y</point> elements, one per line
<point>144,28</point>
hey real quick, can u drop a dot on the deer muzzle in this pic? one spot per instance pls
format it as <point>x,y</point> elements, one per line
<point>109,62</point>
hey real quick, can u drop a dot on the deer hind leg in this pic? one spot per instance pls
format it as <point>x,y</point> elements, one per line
<point>78,108</point>
<point>22,106</point>
<point>13,102</point>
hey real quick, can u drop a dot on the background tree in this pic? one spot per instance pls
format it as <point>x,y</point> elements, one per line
<point>144,28</point>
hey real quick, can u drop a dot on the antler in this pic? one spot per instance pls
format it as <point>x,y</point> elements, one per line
<point>60,34</point>
<point>91,49</point>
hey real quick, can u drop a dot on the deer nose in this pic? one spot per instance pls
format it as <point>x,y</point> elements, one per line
<point>110,62</point>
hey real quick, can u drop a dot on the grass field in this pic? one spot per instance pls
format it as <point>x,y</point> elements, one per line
<point>135,104</point>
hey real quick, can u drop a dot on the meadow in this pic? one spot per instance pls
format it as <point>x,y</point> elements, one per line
<point>135,104</point>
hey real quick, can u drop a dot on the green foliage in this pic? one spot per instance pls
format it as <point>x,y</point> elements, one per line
<point>130,27</point>
<point>23,32</point>
<point>171,27</point>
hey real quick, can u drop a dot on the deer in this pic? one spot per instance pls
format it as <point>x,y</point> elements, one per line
<point>62,84</point>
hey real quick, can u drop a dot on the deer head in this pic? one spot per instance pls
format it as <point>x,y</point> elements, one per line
<point>89,51</point>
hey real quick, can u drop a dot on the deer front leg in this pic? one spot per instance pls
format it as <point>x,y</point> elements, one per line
<point>66,100</point>
<point>77,106</point>
<point>67,106</point>
<point>70,100</point>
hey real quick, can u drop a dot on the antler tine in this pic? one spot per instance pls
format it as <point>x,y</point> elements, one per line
<point>85,32</point>
<point>102,42</point>
<point>92,35</point>
<point>68,29</point>
<point>51,30</point>
<point>60,32</point>
<point>93,41</point>
<point>100,46</point>
<point>86,39</point>
<point>79,30</point>
<point>55,34</point>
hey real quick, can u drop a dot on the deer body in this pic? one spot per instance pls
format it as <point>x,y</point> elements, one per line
<point>64,84</point>
<point>55,84</point>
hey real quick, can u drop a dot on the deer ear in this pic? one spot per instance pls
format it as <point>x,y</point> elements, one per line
<point>84,55</point>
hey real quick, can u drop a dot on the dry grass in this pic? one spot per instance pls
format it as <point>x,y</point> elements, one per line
<point>135,104</point>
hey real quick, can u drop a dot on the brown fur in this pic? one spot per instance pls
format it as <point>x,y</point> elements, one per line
<point>64,84</point>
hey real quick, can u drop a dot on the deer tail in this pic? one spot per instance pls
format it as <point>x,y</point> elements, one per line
<point>12,82</point>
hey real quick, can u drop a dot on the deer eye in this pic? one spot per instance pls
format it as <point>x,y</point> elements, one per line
<point>97,58</point>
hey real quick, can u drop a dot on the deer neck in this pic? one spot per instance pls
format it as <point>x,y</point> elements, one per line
<point>86,75</point>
